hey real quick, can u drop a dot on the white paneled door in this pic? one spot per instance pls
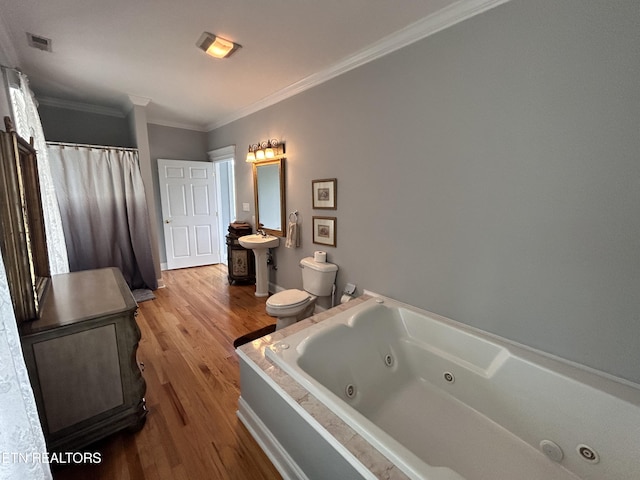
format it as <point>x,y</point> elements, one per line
<point>189,213</point>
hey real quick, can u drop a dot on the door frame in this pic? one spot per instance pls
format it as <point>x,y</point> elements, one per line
<point>224,184</point>
<point>214,224</point>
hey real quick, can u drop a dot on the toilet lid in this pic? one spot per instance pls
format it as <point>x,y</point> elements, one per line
<point>288,298</point>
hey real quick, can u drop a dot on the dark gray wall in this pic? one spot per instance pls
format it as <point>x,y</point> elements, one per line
<point>173,144</point>
<point>74,126</point>
<point>489,173</point>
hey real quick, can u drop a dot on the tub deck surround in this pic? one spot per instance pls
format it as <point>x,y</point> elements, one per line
<point>356,445</point>
<point>495,400</point>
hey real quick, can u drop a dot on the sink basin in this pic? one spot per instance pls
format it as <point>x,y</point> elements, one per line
<point>256,240</point>
<point>260,245</point>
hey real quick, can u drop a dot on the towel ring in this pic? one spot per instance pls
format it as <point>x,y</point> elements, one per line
<point>295,217</point>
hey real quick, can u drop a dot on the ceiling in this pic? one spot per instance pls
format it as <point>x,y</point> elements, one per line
<point>105,51</point>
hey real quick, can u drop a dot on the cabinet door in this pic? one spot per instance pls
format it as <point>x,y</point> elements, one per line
<point>79,376</point>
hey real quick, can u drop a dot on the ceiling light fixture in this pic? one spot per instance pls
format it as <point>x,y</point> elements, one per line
<point>215,46</point>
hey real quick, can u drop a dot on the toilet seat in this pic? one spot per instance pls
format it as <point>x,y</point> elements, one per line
<point>289,299</point>
<point>291,306</point>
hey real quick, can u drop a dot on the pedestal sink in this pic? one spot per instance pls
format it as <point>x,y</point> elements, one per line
<point>260,244</point>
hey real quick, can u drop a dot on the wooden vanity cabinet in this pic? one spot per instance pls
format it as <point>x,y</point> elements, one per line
<point>81,357</point>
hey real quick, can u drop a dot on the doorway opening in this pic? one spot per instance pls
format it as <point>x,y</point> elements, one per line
<point>223,160</point>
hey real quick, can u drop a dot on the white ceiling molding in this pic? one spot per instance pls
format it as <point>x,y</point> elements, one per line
<point>442,19</point>
<point>184,126</point>
<point>139,101</point>
<point>79,106</point>
<point>114,112</point>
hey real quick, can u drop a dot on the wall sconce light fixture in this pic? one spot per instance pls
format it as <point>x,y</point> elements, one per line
<point>215,46</point>
<point>267,150</point>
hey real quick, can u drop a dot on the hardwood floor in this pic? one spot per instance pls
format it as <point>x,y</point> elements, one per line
<point>192,376</point>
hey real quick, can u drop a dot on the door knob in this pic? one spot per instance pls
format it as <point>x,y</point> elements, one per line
<point>167,221</point>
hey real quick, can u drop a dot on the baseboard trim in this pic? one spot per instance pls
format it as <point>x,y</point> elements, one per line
<point>274,288</point>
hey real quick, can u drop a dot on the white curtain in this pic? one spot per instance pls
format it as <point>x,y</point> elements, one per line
<point>27,124</point>
<point>22,443</point>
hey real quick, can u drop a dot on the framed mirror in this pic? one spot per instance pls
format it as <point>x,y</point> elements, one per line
<point>23,241</point>
<point>268,193</point>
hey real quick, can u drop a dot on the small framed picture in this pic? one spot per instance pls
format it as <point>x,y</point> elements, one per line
<point>324,193</point>
<point>324,230</point>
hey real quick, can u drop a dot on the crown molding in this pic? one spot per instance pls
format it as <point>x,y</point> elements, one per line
<point>138,100</point>
<point>184,126</point>
<point>429,25</point>
<point>113,112</point>
<point>80,106</point>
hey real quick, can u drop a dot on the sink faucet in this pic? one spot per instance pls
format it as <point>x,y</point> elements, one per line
<point>260,230</point>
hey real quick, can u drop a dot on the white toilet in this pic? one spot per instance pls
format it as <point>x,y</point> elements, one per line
<point>290,306</point>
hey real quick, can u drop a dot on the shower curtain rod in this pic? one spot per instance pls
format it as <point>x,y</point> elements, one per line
<point>86,145</point>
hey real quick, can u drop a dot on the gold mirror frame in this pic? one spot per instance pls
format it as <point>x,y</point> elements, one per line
<point>23,241</point>
<point>270,191</point>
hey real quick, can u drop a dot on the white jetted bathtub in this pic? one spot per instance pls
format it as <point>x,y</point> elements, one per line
<point>439,400</point>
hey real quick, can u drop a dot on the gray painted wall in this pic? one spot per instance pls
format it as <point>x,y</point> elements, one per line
<point>489,173</point>
<point>173,144</point>
<point>73,126</point>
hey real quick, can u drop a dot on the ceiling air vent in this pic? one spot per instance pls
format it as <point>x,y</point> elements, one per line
<point>39,42</point>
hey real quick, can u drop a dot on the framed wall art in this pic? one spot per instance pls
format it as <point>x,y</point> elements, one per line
<point>324,193</point>
<point>324,230</point>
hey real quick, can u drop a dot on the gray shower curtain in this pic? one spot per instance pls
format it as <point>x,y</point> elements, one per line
<point>104,210</point>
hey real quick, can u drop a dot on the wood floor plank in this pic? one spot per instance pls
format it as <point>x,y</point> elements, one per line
<point>192,376</point>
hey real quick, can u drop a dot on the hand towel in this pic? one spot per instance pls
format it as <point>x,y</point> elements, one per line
<point>293,240</point>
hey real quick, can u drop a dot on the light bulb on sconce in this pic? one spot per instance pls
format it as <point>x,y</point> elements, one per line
<point>267,150</point>
<point>251,156</point>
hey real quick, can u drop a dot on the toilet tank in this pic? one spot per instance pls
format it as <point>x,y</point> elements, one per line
<point>317,277</point>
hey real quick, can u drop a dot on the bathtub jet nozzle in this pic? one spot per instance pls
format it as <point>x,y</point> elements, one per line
<point>350,391</point>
